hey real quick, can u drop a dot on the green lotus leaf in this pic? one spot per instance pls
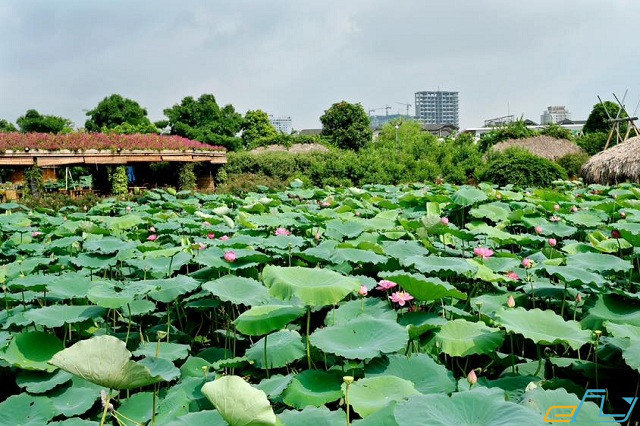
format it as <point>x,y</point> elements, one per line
<point>423,288</point>
<point>314,287</point>
<point>362,338</point>
<point>430,264</point>
<point>467,196</point>
<point>107,245</point>
<point>32,350</point>
<point>69,286</point>
<point>39,381</point>
<point>26,410</point>
<point>264,319</point>
<point>370,306</point>
<point>105,361</point>
<point>496,212</point>
<point>283,347</point>
<point>371,394</point>
<point>544,327</point>
<point>611,308</point>
<point>478,407</point>
<point>239,403</point>
<point>107,296</point>
<point>59,315</point>
<point>574,276</point>
<point>631,342</point>
<point>420,322</point>
<point>204,417</point>
<point>169,289</point>
<point>275,385</point>
<point>138,407</point>
<point>168,351</point>
<point>73,401</point>
<point>461,338</point>
<point>313,387</point>
<point>599,262</point>
<point>94,262</point>
<point>238,290</point>
<point>353,255</point>
<point>540,400</point>
<point>423,371</point>
<point>317,416</point>
<point>403,249</point>
<point>337,229</point>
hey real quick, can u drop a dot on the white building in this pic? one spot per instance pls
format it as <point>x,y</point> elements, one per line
<point>282,124</point>
<point>555,114</point>
<point>437,107</point>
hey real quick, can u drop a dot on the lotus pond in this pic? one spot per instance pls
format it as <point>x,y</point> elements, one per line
<point>420,304</point>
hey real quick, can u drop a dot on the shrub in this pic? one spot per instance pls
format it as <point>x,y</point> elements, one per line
<point>56,201</point>
<point>119,181</point>
<point>515,130</point>
<point>593,143</point>
<point>519,167</point>
<point>34,182</point>
<point>572,163</point>
<point>186,177</point>
<point>556,131</point>
<point>249,182</point>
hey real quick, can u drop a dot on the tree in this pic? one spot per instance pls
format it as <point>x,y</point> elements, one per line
<point>203,120</point>
<point>346,125</point>
<point>130,129</point>
<point>256,126</point>
<point>113,111</point>
<point>6,127</point>
<point>598,120</point>
<point>515,130</point>
<point>556,131</point>
<point>33,121</point>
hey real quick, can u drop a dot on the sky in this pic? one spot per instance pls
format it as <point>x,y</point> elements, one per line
<point>297,57</point>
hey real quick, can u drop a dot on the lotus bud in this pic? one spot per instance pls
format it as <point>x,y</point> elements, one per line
<point>552,242</point>
<point>556,207</point>
<point>347,379</point>
<point>574,209</point>
<point>472,378</point>
<point>363,291</point>
<point>511,302</point>
<point>538,229</point>
<point>578,298</point>
<point>444,221</point>
<point>527,263</point>
<point>623,214</point>
<point>615,234</point>
<point>498,196</point>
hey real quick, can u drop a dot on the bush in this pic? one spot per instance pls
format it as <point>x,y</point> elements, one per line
<point>119,181</point>
<point>34,182</point>
<point>56,201</point>
<point>572,163</point>
<point>515,130</point>
<point>556,131</point>
<point>249,182</point>
<point>593,143</point>
<point>519,167</point>
<point>186,177</point>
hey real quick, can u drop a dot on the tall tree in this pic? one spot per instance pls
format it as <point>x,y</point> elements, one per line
<point>6,127</point>
<point>346,125</point>
<point>204,121</point>
<point>256,126</point>
<point>113,111</point>
<point>598,120</point>
<point>33,121</point>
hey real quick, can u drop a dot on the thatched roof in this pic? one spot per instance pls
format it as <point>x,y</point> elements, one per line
<point>620,163</point>
<point>542,146</point>
<point>296,148</point>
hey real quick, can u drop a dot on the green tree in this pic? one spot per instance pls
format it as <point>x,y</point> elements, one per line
<point>256,126</point>
<point>203,120</point>
<point>346,125</point>
<point>113,111</point>
<point>598,120</point>
<point>515,130</point>
<point>6,127</point>
<point>33,121</point>
<point>131,129</point>
<point>556,131</point>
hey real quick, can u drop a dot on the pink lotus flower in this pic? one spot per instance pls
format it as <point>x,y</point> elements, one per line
<point>574,209</point>
<point>202,246</point>
<point>528,194</point>
<point>554,218</point>
<point>444,221</point>
<point>527,263</point>
<point>282,231</point>
<point>616,234</point>
<point>401,297</point>
<point>224,238</point>
<point>230,256</point>
<point>538,229</point>
<point>152,237</point>
<point>36,234</point>
<point>513,276</point>
<point>556,207</point>
<point>318,236</point>
<point>623,215</point>
<point>128,208</point>
<point>325,204</point>
<point>578,298</point>
<point>357,213</point>
<point>498,196</point>
<point>483,252</point>
<point>472,378</point>
<point>363,291</point>
<point>152,229</point>
<point>385,285</point>
<point>552,242</point>
<point>511,302</point>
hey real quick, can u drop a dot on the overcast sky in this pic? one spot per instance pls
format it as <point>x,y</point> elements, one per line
<point>297,57</point>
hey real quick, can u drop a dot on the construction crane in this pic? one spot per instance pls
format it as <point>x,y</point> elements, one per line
<point>406,105</point>
<point>385,108</point>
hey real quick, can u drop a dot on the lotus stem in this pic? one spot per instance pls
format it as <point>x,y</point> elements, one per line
<point>105,409</point>
<point>539,360</point>
<point>266,361</point>
<point>308,343</point>
<point>153,412</point>
<point>126,340</point>
<point>513,361</point>
<point>564,298</point>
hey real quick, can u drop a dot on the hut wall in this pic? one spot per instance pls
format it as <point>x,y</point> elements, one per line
<point>205,179</point>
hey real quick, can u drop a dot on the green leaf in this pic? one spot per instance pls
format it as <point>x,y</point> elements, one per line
<point>467,196</point>
<point>598,262</point>
<point>353,255</point>
<point>283,347</point>
<point>137,407</point>
<point>426,374</point>
<point>168,351</point>
<point>430,264</point>
<point>574,276</point>
<point>362,338</point>
<point>313,387</point>
<point>32,350</point>
<point>26,410</point>
<point>238,290</point>
<point>540,400</point>
<point>631,342</point>
<point>607,307</point>
<point>461,338</point>
<point>314,287</point>
<point>105,361</point>
<point>39,381</point>
<point>59,315</point>
<point>275,385</point>
<point>238,402</point>
<point>544,327</point>
<point>317,416</point>
<point>422,288</point>
<point>371,394</point>
<point>370,306</point>
<point>264,319</point>
<point>73,401</point>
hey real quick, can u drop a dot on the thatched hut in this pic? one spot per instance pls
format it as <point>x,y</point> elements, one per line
<point>620,163</point>
<point>542,146</point>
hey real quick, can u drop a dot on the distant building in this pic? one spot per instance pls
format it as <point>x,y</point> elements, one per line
<point>439,130</point>
<point>381,120</point>
<point>499,121</point>
<point>437,107</point>
<point>574,127</point>
<point>555,114</point>
<point>282,124</point>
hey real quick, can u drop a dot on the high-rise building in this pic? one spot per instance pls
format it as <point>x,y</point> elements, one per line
<point>555,114</point>
<point>282,124</point>
<point>437,107</point>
